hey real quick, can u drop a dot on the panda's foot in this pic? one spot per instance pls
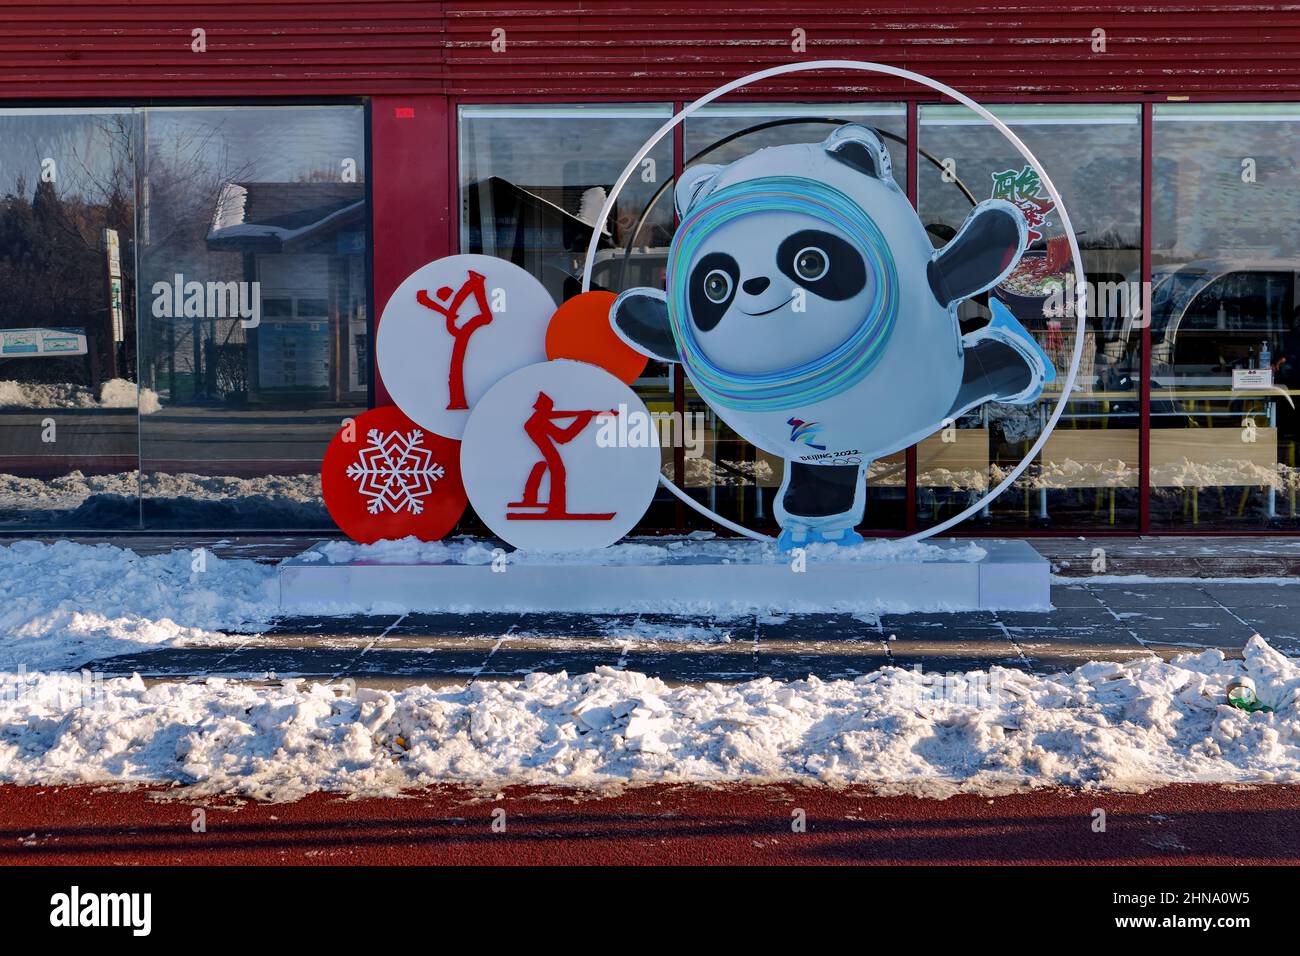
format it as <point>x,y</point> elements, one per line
<point>846,538</point>
<point>1004,330</point>
<point>798,536</point>
<point>794,536</point>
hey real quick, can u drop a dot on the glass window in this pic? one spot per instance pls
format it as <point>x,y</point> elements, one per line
<point>1086,475</point>
<point>68,419</point>
<point>533,180</point>
<point>1225,348</point>
<point>730,475</point>
<point>252,309</point>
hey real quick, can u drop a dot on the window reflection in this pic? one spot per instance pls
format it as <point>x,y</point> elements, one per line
<point>253,309</point>
<point>1086,474</point>
<point>67,332</point>
<point>1225,369</point>
<point>533,180</point>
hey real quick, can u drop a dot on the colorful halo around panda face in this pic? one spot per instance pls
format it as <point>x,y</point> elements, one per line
<point>813,381</point>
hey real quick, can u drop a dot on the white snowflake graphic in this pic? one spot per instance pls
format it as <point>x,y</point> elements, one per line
<point>395,471</point>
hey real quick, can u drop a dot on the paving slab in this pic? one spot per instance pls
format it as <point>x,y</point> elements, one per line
<point>1253,595</point>
<point>817,627</point>
<point>890,622</point>
<point>447,663</point>
<point>1170,651</point>
<point>1182,618</point>
<point>224,662</point>
<point>1144,596</point>
<point>455,625</point>
<point>1059,619</point>
<point>694,666</point>
<point>567,625</point>
<point>1074,595</point>
<point>829,666</point>
<point>1072,641</point>
<point>948,656</point>
<point>520,662</point>
<point>1272,621</point>
<point>357,625</point>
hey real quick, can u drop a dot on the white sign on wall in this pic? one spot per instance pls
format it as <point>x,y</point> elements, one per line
<point>27,342</point>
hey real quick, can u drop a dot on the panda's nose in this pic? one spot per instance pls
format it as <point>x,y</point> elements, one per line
<point>756,285</point>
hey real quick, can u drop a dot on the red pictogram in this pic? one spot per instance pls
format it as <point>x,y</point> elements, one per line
<point>543,429</point>
<point>460,335</point>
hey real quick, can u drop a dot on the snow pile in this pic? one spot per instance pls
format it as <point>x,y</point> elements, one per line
<point>115,393</point>
<point>1226,472</point>
<point>175,500</point>
<point>119,393</point>
<point>67,491</point>
<point>1129,725</point>
<point>63,604</point>
<point>702,472</point>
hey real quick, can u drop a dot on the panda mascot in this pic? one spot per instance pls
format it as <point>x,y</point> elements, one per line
<point>809,308</point>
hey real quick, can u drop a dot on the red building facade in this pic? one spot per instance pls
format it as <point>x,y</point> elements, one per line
<point>1171,130</point>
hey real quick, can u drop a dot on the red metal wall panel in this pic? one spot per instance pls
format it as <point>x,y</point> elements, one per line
<point>408,193</point>
<point>651,48</point>
<point>254,48</point>
<point>685,47</point>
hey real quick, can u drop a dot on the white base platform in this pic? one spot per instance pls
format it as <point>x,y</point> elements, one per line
<point>1010,576</point>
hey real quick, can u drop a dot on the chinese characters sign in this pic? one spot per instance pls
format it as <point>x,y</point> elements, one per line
<point>1024,189</point>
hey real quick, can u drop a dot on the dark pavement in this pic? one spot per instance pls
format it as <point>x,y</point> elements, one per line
<point>661,824</point>
<point>1090,622</point>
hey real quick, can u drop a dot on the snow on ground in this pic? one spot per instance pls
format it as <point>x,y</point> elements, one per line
<point>700,545</point>
<point>63,604</point>
<point>1129,726</point>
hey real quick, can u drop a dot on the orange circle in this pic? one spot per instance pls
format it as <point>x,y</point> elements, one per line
<point>580,330</point>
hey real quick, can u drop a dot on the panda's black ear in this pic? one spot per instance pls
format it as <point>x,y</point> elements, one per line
<point>640,318</point>
<point>861,148</point>
<point>982,254</point>
<point>693,181</point>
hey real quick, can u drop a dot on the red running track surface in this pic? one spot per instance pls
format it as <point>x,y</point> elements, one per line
<point>659,824</point>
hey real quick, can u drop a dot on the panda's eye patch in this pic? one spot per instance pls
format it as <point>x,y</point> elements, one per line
<point>712,287</point>
<point>822,263</point>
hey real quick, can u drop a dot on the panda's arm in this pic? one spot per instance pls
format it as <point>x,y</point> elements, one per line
<point>982,254</point>
<point>640,318</point>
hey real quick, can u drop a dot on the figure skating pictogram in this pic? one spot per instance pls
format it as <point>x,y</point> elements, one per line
<point>473,286</point>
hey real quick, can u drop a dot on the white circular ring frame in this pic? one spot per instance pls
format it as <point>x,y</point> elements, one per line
<point>865,67</point>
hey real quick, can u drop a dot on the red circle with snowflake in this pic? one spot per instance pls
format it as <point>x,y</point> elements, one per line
<point>385,477</point>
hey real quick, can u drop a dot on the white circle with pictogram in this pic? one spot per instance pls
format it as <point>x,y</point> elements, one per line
<point>560,456</point>
<point>453,329</point>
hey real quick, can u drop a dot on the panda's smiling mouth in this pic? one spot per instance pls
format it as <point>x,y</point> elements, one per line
<point>771,310</point>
